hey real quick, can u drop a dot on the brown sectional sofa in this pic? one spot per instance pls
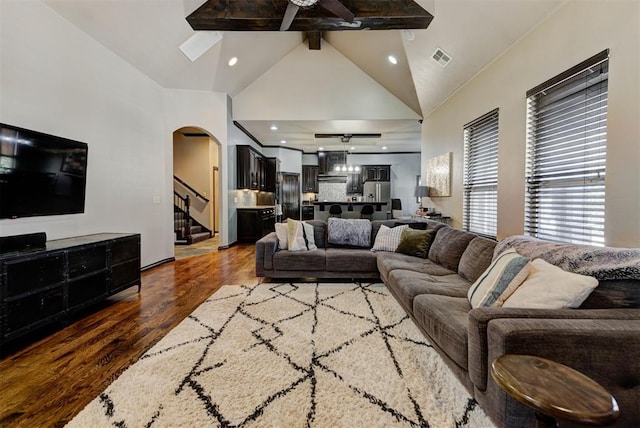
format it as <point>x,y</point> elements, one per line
<point>600,339</point>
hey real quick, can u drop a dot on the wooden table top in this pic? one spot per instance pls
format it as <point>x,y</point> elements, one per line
<point>554,389</point>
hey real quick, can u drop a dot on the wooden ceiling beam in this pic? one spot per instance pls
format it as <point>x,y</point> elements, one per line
<point>314,38</point>
<point>266,15</point>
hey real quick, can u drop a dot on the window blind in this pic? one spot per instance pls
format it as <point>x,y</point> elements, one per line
<point>480,205</point>
<point>566,155</point>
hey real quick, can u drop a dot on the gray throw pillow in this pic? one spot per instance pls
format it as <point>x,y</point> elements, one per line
<point>352,232</point>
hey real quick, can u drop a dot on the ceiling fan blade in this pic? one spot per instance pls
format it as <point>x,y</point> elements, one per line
<point>338,9</point>
<point>289,14</point>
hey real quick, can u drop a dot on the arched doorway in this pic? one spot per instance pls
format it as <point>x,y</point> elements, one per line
<point>197,191</point>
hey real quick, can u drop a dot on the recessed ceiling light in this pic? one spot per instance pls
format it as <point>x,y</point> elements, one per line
<point>320,148</point>
<point>384,147</point>
<point>352,148</point>
<point>283,141</point>
<point>409,35</point>
<point>392,59</point>
<point>233,61</point>
<point>274,128</point>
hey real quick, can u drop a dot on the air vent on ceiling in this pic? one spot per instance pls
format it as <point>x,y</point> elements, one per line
<point>441,57</point>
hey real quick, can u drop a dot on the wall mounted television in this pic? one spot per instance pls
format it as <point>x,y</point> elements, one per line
<point>40,174</point>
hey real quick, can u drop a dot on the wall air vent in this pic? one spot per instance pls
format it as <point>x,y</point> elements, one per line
<point>441,57</point>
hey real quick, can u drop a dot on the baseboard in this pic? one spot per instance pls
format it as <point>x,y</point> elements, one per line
<point>226,247</point>
<point>156,264</point>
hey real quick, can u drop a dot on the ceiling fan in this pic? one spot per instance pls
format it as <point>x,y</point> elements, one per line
<point>333,6</point>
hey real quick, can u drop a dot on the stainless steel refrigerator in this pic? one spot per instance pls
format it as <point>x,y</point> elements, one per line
<point>379,190</point>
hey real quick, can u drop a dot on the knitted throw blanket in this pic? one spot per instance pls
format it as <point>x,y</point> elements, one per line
<point>603,263</point>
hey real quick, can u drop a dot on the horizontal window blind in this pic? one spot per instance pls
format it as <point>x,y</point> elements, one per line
<point>566,155</point>
<point>480,205</point>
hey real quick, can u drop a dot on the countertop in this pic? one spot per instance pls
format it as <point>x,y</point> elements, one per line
<point>350,202</point>
<point>255,207</point>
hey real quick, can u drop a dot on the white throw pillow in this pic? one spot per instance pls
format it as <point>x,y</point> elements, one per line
<point>388,238</point>
<point>300,236</point>
<point>281,233</point>
<point>503,276</point>
<point>549,287</point>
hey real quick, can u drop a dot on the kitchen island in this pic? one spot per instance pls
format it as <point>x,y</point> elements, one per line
<point>350,209</point>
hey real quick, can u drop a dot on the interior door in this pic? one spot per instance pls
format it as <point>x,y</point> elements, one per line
<point>290,194</point>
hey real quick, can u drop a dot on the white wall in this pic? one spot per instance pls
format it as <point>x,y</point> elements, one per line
<point>577,31</point>
<point>56,79</point>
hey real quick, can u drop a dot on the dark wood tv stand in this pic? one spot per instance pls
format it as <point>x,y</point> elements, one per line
<point>43,286</point>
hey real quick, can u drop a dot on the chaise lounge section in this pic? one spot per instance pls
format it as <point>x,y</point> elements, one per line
<point>601,338</point>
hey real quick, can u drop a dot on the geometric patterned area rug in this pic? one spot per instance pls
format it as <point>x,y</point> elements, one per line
<point>289,355</point>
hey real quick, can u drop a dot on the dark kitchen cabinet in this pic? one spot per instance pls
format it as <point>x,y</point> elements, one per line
<point>247,168</point>
<point>45,286</point>
<point>254,171</point>
<point>327,161</point>
<point>254,223</point>
<point>310,178</point>
<point>354,183</point>
<point>376,173</point>
<point>270,175</point>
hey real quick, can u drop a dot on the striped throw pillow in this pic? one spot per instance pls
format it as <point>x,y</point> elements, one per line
<point>300,236</point>
<point>500,280</point>
<point>388,238</point>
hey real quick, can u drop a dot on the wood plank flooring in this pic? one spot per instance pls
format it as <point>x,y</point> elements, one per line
<point>45,381</point>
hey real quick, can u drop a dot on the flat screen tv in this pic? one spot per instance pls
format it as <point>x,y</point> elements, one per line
<point>40,174</point>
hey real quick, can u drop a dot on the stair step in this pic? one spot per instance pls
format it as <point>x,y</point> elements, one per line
<point>197,237</point>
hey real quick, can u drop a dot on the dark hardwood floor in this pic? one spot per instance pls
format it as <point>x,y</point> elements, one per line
<point>45,381</point>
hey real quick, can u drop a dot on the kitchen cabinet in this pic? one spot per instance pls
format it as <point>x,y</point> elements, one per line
<point>248,168</point>
<point>376,173</point>
<point>269,176</point>
<point>327,161</point>
<point>307,212</point>
<point>41,287</point>
<point>254,171</point>
<point>354,183</point>
<point>310,178</point>
<point>254,223</point>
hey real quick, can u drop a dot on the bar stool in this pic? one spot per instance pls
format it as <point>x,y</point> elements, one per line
<point>335,211</point>
<point>367,212</point>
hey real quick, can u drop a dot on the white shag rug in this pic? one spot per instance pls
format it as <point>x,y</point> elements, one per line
<point>289,355</point>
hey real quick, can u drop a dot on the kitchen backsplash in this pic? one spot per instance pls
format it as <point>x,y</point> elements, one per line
<point>332,192</point>
<point>246,198</point>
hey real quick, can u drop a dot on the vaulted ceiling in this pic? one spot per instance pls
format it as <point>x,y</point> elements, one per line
<point>148,34</point>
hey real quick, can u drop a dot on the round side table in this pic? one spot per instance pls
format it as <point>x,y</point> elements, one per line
<point>554,391</point>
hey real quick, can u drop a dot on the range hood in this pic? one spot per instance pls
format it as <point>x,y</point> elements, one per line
<point>333,178</point>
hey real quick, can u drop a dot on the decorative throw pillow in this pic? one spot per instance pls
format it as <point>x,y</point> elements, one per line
<point>281,233</point>
<point>352,232</point>
<point>416,242</point>
<point>388,238</point>
<point>549,287</point>
<point>300,236</point>
<point>500,280</point>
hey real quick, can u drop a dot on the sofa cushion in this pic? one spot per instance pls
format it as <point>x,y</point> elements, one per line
<point>350,260</point>
<point>476,258</point>
<point>448,247</point>
<point>445,320</point>
<point>408,284</point>
<point>415,242</point>
<point>349,232</point>
<point>388,262</point>
<point>299,260</point>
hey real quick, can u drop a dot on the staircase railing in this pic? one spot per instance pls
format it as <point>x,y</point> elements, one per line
<point>182,217</point>
<point>191,189</point>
